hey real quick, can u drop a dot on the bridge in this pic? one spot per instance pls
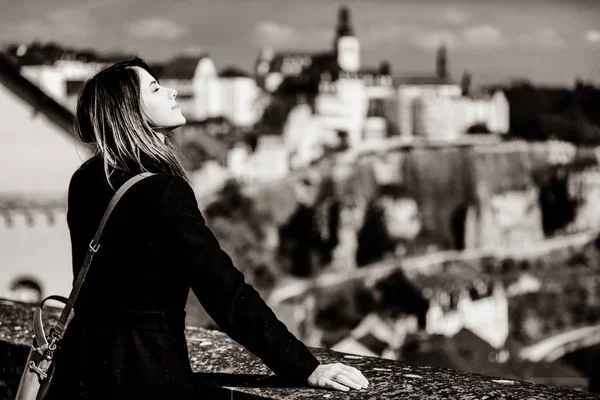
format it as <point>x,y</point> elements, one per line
<point>554,347</point>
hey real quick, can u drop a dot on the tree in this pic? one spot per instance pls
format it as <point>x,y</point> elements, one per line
<point>557,206</point>
<point>275,114</point>
<point>238,225</point>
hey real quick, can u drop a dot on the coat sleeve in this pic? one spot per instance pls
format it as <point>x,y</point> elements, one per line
<point>234,305</point>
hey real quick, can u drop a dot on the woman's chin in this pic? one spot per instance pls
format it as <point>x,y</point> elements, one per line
<point>179,123</point>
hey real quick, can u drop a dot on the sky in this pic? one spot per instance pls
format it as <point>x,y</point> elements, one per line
<point>545,41</point>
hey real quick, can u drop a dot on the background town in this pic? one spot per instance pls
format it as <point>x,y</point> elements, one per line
<point>432,217</point>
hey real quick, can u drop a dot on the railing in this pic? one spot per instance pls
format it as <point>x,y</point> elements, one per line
<point>226,370</point>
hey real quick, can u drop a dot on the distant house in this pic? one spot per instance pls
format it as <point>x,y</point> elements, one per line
<point>365,104</point>
<point>274,69</point>
<point>59,71</point>
<point>331,80</point>
<point>204,93</point>
<point>409,89</point>
<point>38,154</point>
<point>486,316</point>
<point>186,74</point>
<point>39,150</point>
<point>240,97</point>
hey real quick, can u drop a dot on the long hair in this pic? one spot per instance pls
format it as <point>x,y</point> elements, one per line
<point>110,115</point>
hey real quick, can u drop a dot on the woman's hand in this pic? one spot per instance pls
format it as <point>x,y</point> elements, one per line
<point>337,376</point>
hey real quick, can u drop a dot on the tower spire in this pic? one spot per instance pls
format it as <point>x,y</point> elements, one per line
<point>346,46</point>
<point>441,62</point>
<point>344,27</point>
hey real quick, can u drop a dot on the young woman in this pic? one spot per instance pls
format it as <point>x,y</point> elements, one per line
<point>127,337</point>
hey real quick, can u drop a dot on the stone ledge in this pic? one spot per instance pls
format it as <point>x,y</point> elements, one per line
<point>230,372</point>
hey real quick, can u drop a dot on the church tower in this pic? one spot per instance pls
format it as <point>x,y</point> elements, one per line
<point>441,62</point>
<point>347,48</point>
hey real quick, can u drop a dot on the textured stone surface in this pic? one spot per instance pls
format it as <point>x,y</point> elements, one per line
<point>230,372</point>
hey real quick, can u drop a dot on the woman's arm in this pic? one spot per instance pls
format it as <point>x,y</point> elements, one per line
<point>234,305</point>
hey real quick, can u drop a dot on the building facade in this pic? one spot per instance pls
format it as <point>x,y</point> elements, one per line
<point>39,154</point>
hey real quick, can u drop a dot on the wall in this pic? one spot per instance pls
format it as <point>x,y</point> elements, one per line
<point>448,118</point>
<point>239,97</point>
<point>52,79</point>
<point>584,185</point>
<point>47,78</point>
<point>37,158</point>
<point>225,370</point>
<point>35,245</point>
<point>402,109</point>
<point>487,317</point>
<point>342,106</point>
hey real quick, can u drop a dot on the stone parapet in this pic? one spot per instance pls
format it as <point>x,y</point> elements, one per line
<point>228,371</point>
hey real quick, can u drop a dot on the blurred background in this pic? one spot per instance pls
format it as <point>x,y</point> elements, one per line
<point>413,180</point>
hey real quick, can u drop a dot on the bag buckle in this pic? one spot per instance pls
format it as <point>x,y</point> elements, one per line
<point>41,373</point>
<point>93,248</point>
<point>53,338</point>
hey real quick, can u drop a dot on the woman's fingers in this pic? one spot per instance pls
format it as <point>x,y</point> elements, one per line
<point>347,381</point>
<point>337,386</point>
<point>338,377</point>
<point>355,375</point>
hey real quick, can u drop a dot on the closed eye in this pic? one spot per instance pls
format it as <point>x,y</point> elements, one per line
<point>155,84</point>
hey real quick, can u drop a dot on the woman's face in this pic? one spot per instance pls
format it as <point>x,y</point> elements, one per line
<point>158,103</point>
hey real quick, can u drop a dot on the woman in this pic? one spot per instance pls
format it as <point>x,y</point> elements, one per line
<point>127,337</point>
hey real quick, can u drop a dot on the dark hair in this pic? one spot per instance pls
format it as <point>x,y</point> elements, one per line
<point>110,115</point>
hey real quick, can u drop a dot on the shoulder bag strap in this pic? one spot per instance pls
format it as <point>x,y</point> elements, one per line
<point>58,330</point>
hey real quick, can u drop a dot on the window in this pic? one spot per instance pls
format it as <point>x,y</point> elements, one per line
<point>376,108</point>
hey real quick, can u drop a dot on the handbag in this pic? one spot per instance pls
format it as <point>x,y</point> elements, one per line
<point>39,368</point>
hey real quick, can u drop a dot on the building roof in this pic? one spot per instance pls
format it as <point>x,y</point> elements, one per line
<point>369,71</point>
<point>373,343</point>
<point>181,67</point>
<point>29,92</point>
<point>49,53</point>
<point>466,339</point>
<point>37,54</point>
<point>110,58</point>
<point>400,80</point>
<point>33,58</point>
<point>281,59</point>
<point>233,72</point>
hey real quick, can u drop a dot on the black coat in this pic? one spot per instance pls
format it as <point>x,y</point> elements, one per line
<point>127,337</point>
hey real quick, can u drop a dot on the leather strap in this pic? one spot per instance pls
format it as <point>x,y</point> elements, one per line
<point>38,326</point>
<point>58,329</point>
